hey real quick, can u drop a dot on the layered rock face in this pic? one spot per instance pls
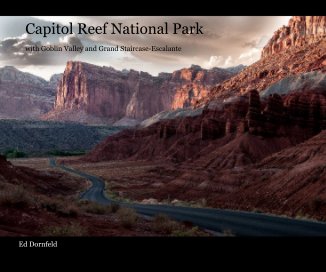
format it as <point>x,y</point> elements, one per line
<point>294,117</point>
<point>301,30</point>
<point>109,95</point>
<point>247,154</point>
<point>25,96</point>
<point>299,48</point>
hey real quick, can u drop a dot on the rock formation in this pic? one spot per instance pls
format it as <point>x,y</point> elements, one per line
<point>301,30</point>
<point>295,50</point>
<point>25,96</point>
<point>296,116</point>
<point>102,94</point>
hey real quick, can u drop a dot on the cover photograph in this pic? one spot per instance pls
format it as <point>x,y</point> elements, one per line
<point>162,126</point>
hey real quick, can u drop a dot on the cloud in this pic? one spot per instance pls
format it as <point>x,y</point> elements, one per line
<point>250,56</point>
<point>219,61</point>
<point>225,38</point>
<point>70,40</point>
<point>228,62</point>
<point>228,41</point>
<point>250,44</point>
<point>214,61</point>
<point>13,51</point>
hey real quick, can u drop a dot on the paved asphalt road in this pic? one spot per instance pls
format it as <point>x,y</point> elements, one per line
<point>238,222</point>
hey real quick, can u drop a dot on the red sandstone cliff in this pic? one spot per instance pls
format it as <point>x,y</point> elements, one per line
<point>295,49</point>
<point>96,94</point>
<point>301,30</point>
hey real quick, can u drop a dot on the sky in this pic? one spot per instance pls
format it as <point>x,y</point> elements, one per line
<point>227,41</point>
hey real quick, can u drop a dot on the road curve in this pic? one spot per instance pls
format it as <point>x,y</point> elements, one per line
<point>240,223</point>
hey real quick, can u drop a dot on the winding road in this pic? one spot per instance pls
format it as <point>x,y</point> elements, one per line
<point>240,223</point>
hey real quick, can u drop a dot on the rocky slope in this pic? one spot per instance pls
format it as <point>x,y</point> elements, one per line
<point>89,93</point>
<point>23,95</point>
<point>300,31</point>
<point>295,49</point>
<point>291,118</point>
<point>290,182</point>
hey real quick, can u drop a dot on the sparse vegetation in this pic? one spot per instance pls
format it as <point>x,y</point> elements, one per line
<point>301,215</point>
<point>257,211</point>
<point>59,207</point>
<point>95,208</point>
<point>184,232</point>
<point>114,207</point>
<point>228,233</point>
<point>20,138</point>
<point>163,224</point>
<point>14,153</point>
<point>127,217</point>
<point>66,230</point>
<point>317,204</point>
<point>63,153</point>
<point>16,197</point>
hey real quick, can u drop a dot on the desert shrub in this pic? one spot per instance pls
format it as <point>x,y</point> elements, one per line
<point>127,217</point>
<point>184,232</point>
<point>16,197</point>
<point>51,205</point>
<point>63,153</point>
<point>59,207</point>
<point>114,207</point>
<point>96,208</point>
<point>203,202</point>
<point>65,230</point>
<point>301,215</point>
<point>163,224</point>
<point>68,211</point>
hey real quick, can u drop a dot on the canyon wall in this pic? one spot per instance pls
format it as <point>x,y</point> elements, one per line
<point>25,96</point>
<point>300,31</point>
<point>88,91</point>
<point>296,49</point>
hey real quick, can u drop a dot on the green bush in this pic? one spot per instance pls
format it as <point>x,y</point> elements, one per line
<point>14,153</point>
<point>62,153</point>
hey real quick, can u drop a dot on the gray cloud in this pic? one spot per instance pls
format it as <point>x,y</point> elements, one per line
<point>229,37</point>
<point>227,41</point>
<point>13,50</point>
<point>251,44</point>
